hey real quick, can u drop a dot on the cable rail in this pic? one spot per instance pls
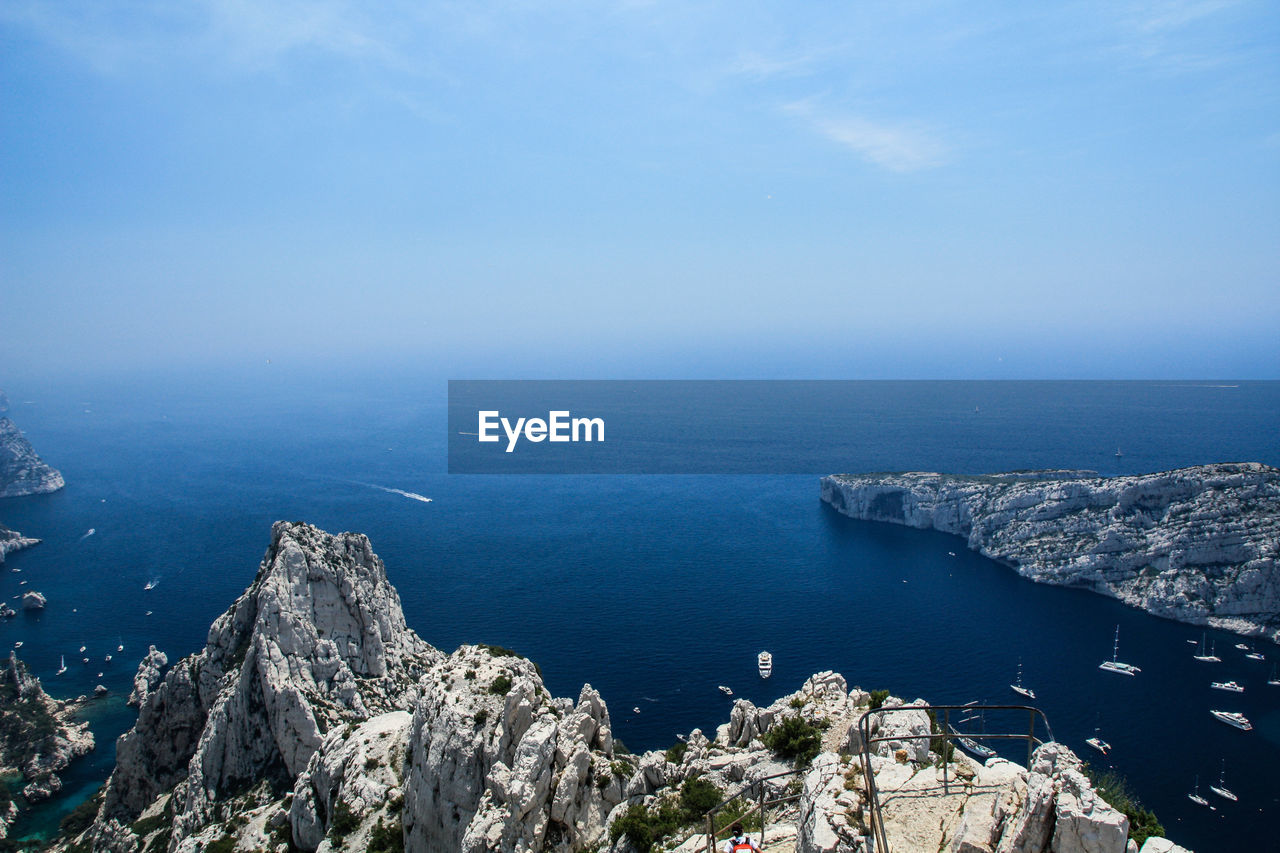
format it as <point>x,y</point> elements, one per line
<point>880,837</point>
<point>759,789</point>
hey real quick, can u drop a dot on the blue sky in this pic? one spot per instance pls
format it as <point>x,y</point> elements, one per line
<point>905,189</point>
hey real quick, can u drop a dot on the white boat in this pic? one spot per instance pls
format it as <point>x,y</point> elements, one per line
<point>1229,686</point>
<point>120,647</point>
<point>1195,796</point>
<point>82,650</point>
<point>725,690</point>
<point>1017,687</point>
<point>1274,680</point>
<point>1115,665</point>
<point>1232,718</point>
<point>1099,744</point>
<point>635,710</point>
<point>1207,658</point>
<point>1256,656</point>
<point>1221,788</point>
<point>86,661</point>
<point>150,584</point>
<point>18,644</point>
<point>1244,647</point>
<point>62,665</point>
<point>1118,453</point>
<point>972,747</point>
<point>764,661</point>
<point>107,658</point>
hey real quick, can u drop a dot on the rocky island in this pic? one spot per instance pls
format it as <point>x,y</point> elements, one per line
<point>1199,545</point>
<point>39,737</point>
<point>12,540</point>
<point>22,472</point>
<point>315,719</point>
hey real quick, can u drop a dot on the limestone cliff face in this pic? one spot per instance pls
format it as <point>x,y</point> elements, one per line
<point>12,540</point>
<point>315,720</point>
<point>22,472</point>
<point>1199,545</point>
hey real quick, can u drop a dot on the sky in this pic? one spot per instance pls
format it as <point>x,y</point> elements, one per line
<point>643,189</point>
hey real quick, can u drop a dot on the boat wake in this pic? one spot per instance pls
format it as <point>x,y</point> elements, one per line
<point>413,496</point>
<point>88,533</point>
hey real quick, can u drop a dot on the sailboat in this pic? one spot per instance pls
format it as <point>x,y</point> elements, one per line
<point>1097,742</point>
<point>970,745</point>
<point>1274,680</point>
<point>1207,658</point>
<point>1017,687</point>
<point>1115,665</point>
<point>62,665</point>
<point>1221,788</point>
<point>1195,796</point>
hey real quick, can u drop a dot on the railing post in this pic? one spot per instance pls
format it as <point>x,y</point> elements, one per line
<point>1031,736</point>
<point>761,783</point>
<point>946,747</point>
<point>711,832</point>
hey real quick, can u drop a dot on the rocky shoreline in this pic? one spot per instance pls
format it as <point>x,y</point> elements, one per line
<point>1198,545</point>
<point>39,737</point>
<point>314,719</point>
<point>12,540</point>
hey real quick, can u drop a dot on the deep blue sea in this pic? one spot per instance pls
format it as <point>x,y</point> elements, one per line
<point>654,589</point>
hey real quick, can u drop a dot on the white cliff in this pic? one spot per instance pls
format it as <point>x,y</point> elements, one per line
<point>314,719</point>
<point>1198,545</point>
<point>22,471</point>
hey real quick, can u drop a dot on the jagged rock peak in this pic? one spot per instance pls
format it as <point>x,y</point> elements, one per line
<point>318,639</point>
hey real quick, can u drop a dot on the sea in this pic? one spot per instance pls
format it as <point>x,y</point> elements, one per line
<point>654,589</point>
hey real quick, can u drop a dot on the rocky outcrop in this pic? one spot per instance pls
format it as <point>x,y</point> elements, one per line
<point>12,540</point>
<point>34,600</point>
<point>39,736</point>
<point>148,677</point>
<point>1199,545</point>
<point>315,720</point>
<point>22,472</point>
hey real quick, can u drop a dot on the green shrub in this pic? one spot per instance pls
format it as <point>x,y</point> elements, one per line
<point>1113,788</point>
<point>344,821</point>
<point>797,702</point>
<point>620,748</point>
<point>698,796</point>
<point>482,716</point>
<point>878,697</point>
<point>387,838</point>
<point>501,686</point>
<point>795,738</point>
<point>225,844</point>
<point>676,753</point>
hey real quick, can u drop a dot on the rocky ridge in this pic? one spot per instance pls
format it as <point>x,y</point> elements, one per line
<point>39,738</point>
<point>12,540</point>
<point>314,719</point>
<point>1199,545</point>
<point>22,472</point>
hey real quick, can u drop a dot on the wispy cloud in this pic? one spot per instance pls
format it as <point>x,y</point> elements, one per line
<point>896,147</point>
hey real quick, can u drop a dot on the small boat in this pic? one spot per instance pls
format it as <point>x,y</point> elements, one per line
<point>1017,687</point>
<point>149,612</point>
<point>1194,642</point>
<point>86,661</point>
<point>1221,788</point>
<point>1229,686</point>
<point>150,584</point>
<point>1207,658</point>
<point>972,747</point>
<point>1115,665</point>
<point>951,553</point>
<point>635,710</point>
<point>62,665</point>
<point>18,644</point>
<point>1256,656</point>
<point>1232,718</point>
<point>1274,680</point>
<point>725,690</point>
<point>107,658</point>
<point>1244,647</point>
<point>1118,453</point>
<point>120,647</point>
<point>82,650</point>
<point>1099,744</point>
<point>764,661</point>
<point>1195,795</point>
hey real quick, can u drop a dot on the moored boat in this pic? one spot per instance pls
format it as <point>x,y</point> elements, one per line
<point>1116,665</point>
<point>1233,718</point>
<point>764,662</point>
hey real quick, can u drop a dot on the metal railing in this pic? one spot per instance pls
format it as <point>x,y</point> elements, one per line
<point>946,733</point>
<point>761,803</point>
